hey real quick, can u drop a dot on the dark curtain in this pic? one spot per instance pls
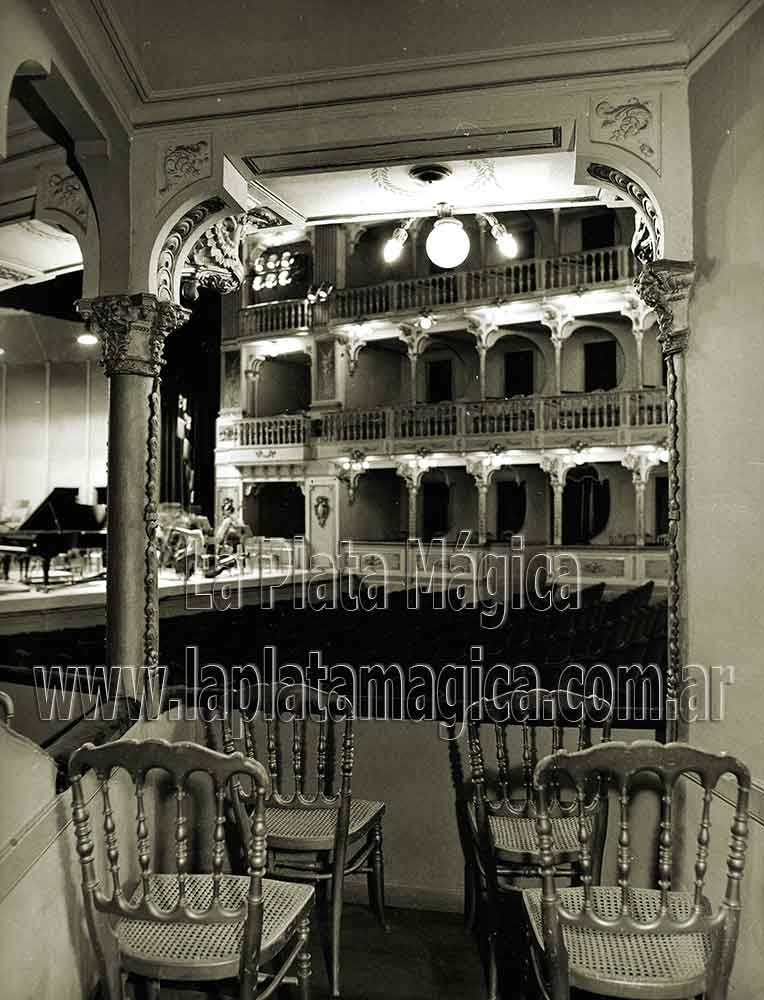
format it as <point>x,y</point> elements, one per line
<point>192,370</point>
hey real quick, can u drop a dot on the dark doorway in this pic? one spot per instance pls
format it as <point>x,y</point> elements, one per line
<point>275,510</point>
<point>661,506</point>
<point>510,509</point>
<point>600,366</point>
<point>585,506</point>
<point>435,504</point>
<point>597,231</point>
<point>439,381</point>
<point>518,373</point>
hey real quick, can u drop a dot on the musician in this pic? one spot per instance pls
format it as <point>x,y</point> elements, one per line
<point>231,529</point>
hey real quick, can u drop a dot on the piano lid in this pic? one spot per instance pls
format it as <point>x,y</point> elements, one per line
<point>60,511</point>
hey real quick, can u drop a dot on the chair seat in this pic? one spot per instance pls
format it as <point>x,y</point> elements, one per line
<point>146,944</point>
<point>629,964</point>
<point>516,835</point>
<point>314,829</point>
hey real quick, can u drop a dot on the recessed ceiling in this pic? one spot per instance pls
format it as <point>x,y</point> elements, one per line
<point>32,251</point>
<point>28,338</point>
<point>176,47</point>
<point>389,191</point>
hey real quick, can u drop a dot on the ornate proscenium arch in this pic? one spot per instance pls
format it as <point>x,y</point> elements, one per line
<point>201,253</point>
<point>647,243</point>
<point>665,286</point>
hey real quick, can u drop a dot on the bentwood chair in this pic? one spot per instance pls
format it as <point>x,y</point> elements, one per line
<point>623,940</point>
<point>185,926</point>
<point>317,831</point>
<point>503,811</point>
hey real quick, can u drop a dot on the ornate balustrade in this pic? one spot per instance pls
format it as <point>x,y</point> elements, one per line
<point>600,411</point>
<point>256,432</point>
<point>623,416</point>
<point>538,275</point>
<point>275,317</point>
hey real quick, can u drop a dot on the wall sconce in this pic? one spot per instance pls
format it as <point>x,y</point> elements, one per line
<point>319,293</point>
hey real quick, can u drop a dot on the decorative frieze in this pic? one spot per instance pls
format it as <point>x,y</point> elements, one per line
<point>628,121</point>
<point>182,163</point>
<point>60,192</point>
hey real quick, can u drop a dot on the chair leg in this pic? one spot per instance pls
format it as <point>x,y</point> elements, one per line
<point>471,896</point>
<point>376,877</point>
<point>493,972</point>
<point>338,890</point>
<point>303,959</point>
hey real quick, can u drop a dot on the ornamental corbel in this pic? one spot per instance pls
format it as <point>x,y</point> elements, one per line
<point>556,465</point>
<point>640,463</point>
<point>353,343</point>
<point>350,470</point>
<point>558,321</point>
<point>414,337</point>
<point>665,287</point>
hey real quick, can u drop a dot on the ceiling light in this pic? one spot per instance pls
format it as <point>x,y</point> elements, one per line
<point>2,351</point>
<point>447,245</point>
<point>425,321</point>
<point>394,246</point>
<point>87,339</point>
<point>507,244</point>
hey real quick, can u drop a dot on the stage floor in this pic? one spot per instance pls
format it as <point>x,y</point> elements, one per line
<point>79,605</point>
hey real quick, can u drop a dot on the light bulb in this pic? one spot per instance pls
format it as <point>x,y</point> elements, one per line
<point>87,339</point>
<point>507,244</point>
<point>448,244</point>
<point>425,321</point>
<point>394,246</point>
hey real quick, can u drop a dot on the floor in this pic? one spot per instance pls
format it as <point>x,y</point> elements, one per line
<point>425,956</point>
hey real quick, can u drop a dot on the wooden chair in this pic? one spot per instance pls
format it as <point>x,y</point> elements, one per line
<point>503,812</point>
<point>317,831</point>
<point>185,926</point>
<point>622,940</point>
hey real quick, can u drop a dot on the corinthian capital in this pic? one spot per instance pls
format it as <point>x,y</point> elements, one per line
<point>132,329</point>
<point>665,287</point>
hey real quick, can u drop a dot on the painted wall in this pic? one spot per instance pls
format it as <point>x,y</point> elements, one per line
<point>724,466</point>
<point>381,377</point>
<point>54,424</point>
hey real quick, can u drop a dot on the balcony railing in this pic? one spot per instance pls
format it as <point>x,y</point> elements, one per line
<point>592,411</point>
<point>632,408</point>
<point>293,429</point>
<point>539,275</point>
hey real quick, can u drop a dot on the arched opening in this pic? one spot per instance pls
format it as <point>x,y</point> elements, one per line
<point>274,510</point>
<point>585,505</point>
<point>593,360</point>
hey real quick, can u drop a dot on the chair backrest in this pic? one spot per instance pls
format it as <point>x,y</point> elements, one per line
<point>304,738</point>
<point>534,712</point>
<point>620,764</point>
<point>7,710</point>
<point>178,762</point>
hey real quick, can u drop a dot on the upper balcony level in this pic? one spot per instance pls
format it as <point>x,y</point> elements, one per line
<point>535,278</point>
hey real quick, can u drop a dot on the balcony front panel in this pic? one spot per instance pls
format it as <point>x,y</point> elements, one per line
<point>266,439</point>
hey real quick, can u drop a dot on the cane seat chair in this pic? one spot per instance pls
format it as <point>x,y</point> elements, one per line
<point>622,940</point>
<point>503,809</point>
<point>317,831</point>
<point>181,925</point>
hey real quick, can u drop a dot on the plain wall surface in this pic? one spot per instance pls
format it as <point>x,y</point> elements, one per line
<point>724,423</point>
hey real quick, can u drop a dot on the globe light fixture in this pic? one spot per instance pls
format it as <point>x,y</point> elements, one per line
<point>447,245</point>
<point>87,339</point>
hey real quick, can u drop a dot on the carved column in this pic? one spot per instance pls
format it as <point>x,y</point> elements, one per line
<point>481,327</point>
<point>132,329</point>
<point>560,326</point>
<point>255,372</point>
<point>481,470</point>
<point>556,467</point>
<point>411,473</point>
<point>665,287</point>
<point>415,340</point>
<point>640,464</point>
<point>642,318</point>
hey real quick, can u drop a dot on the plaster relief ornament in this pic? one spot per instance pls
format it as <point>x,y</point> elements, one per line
<point>322,509</point>
<point>182,164</point>
<point>632,123</point>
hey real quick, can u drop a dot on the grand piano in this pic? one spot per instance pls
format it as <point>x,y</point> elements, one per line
<point>57,525</point>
